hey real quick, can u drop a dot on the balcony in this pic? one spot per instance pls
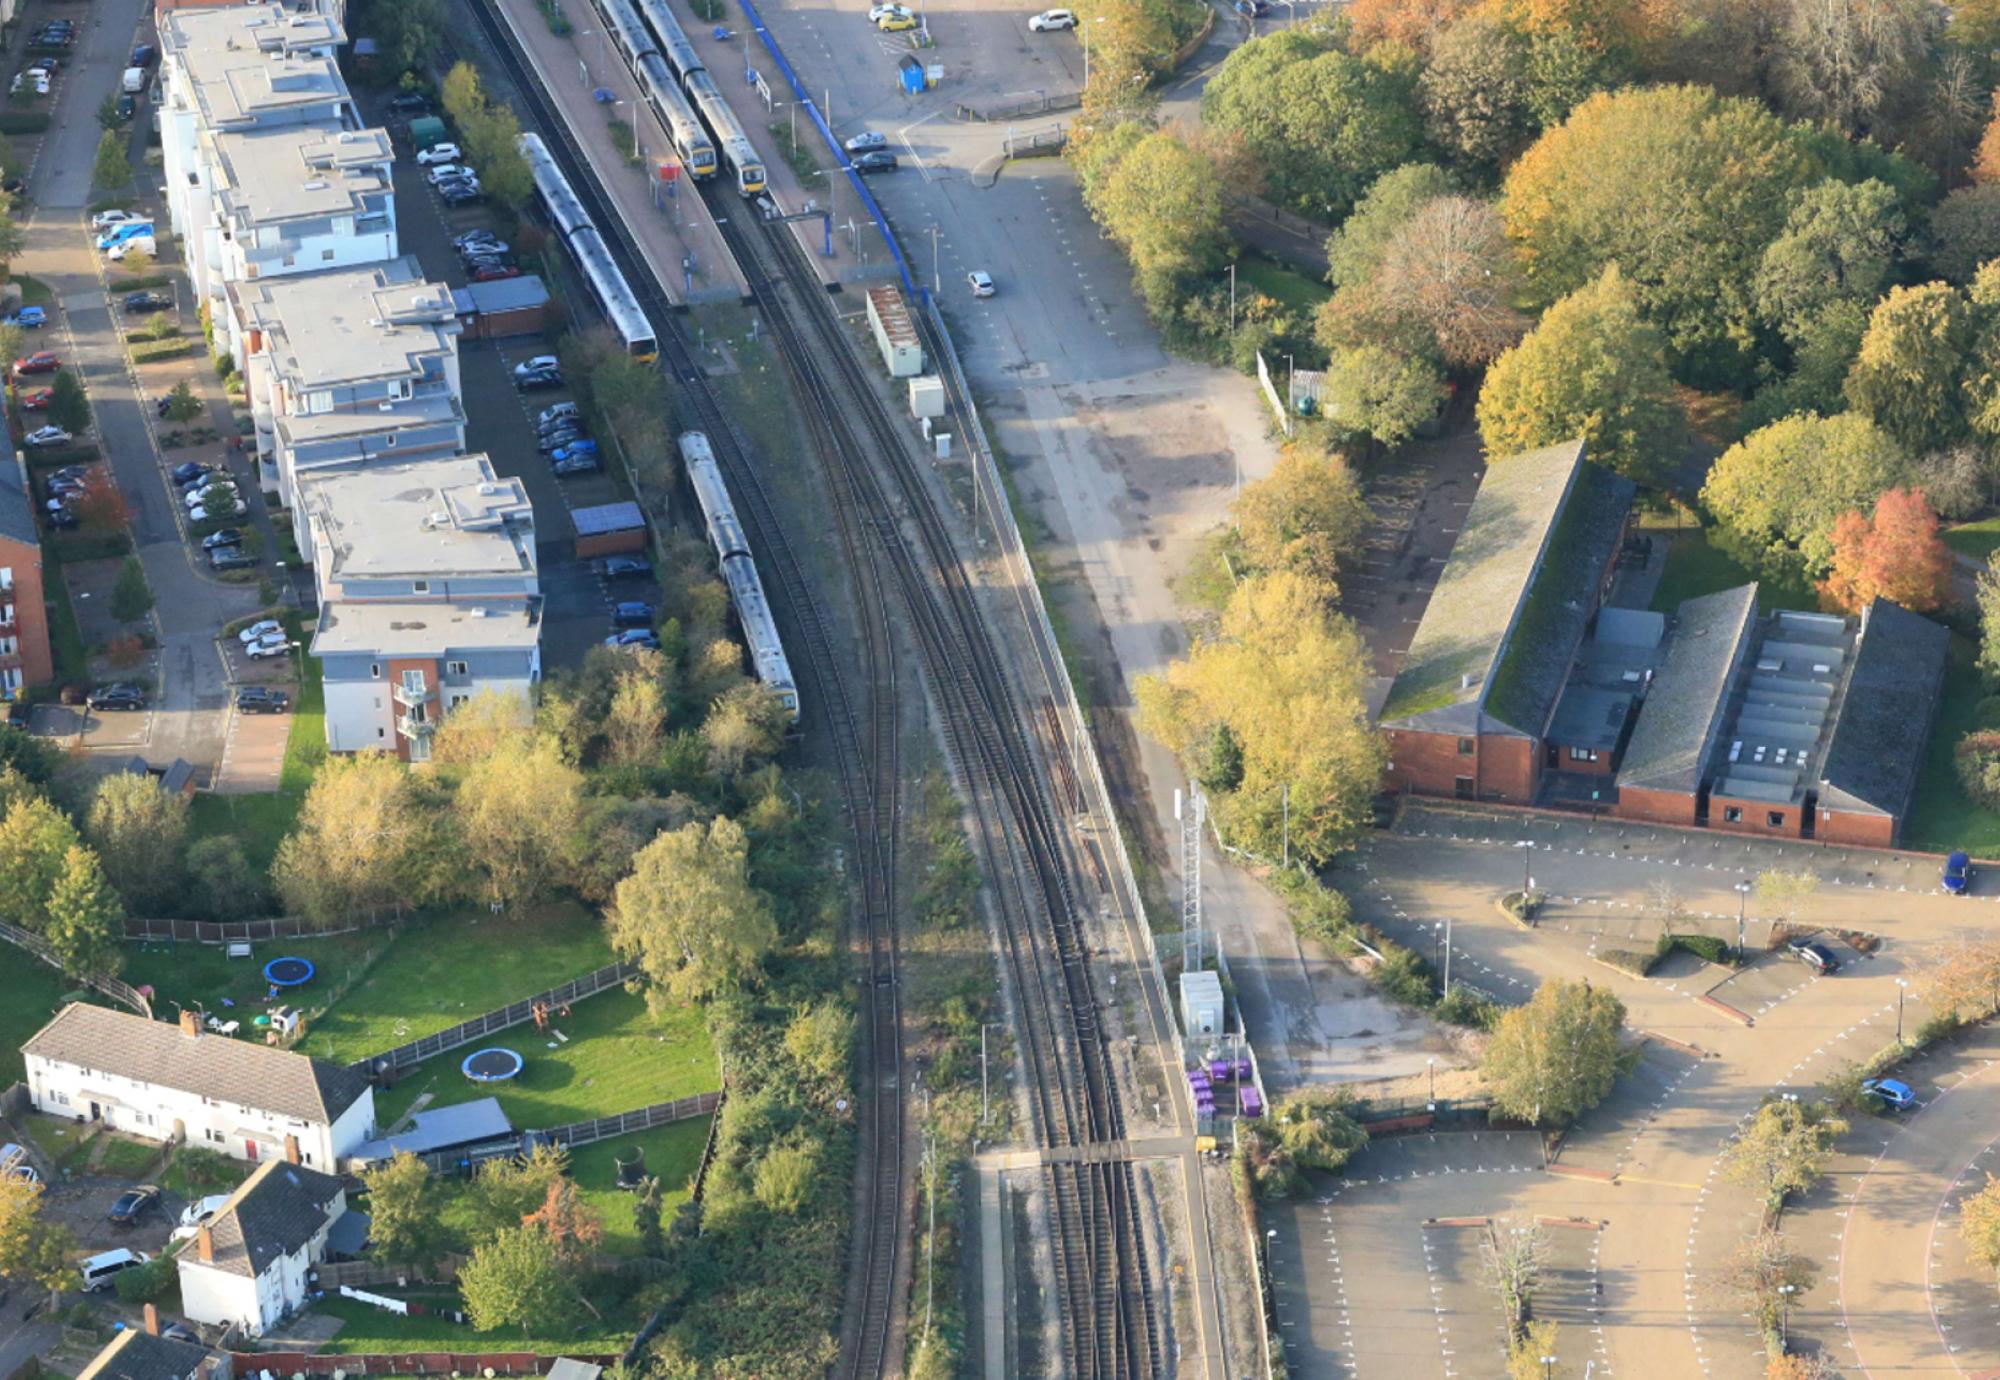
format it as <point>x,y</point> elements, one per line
<point>413,697</point>
<point>415,729</point>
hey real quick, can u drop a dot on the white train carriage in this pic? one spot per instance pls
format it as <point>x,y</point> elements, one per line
<point>739,570</point>
<point>738,154</point>
<point>673,39</point>
<point>601,273</point>
<point>660,87</point>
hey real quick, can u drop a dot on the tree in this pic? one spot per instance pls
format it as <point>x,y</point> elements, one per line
<point>35,839</point>
<point>745,725</point>
<point>1477,94</point>
<point>480,727</point>
<point>1898,556</point>
<point>34,1250</point>
<point>1681,188</point>
<point>406,31</point>
<point>86,923</point>
<point>784,1178</point>
<point>571,1225</point>
<point>1781,894</point>
<point>365,838</point>
<point>1555,1058</point>
<point>646,1218</point>
<point>182,405</point>
<point>139,832</point>
<point>1290,681</point>
<point>1841,243</point>
<point>221,881</point>
<point>1843,62</point>
<point>13,239</point>
<point>490,135</point>
<point>1513,1255</point>
<point>1757,1270</point>
<point>1593,368</point>
<point>515,1278</point>
<point>1539,1338</point>
<point>1415,24</point>
<point>1986,161</point>
<point>1307,515</point>
<point>1322,123</point>
<point>1161,201</point>
<point>1964,977</point>
<point>1354,253</point>
<point>131,597</point>
<point>405,1214</point>
<point>506,1191</point>
<point>1777,493</point>
<point>1964,228</point>
<point>689,915</point>
<point>1376,392</point>
<point>1986,590</point>
<point>1784,1149</point>
<point>1317,1130</point>
<point>1449,268</point>
<point>111,171</point>
<point>517,810</point>
<point>638,712</point>
<point>1909,378</point>
<point>68,408</point>
<point>1979,1224</point>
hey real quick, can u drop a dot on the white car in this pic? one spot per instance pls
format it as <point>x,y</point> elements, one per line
<point>879,13</point>
<point>981,282</point>
<point>199,514</point>
<point>106,220</point>
<point>540,364</point>
<point>263,628</point>
<point>47,436</point>
<point>138,244</point>
<point>201,1210</point>
<point>445,172</point>
<point>439,153</point>
<point>1048,21</point>
<point>277,644</point>
<point>200,497</point>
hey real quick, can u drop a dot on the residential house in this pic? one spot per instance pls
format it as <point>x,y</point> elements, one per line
<point>251,1264</point>
<point>344,369</point>
<point>158,1081</point>
<point>295,199</point>
<point>429,595</point>
<point>135,1353</point>
<point>25,658</point>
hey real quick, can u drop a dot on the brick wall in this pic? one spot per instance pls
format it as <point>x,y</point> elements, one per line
<point>1850,827</point>
<point>1509,769</point>
<point>1600,767</point>
<point>1427,763</point>
<point>31,611</point>
<point>1755,819</point>
<point>1656,807</point>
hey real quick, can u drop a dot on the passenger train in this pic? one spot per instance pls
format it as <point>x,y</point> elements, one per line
<point>607,284</point>
<point>739,570</point>
<point>662,91</point>
<point>738,154</point>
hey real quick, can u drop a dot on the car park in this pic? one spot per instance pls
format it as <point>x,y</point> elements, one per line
<point>573,450</point>
<point>120,696</point>
<point>41,362</point>
<point>438,153</point>
<point>624,567</point>
<point>867,142</point>
<point>139,303</point>
<point>634,639</point>
<point>458,195</point>
<point>277,644</point>
<point>263,627</point>
<point>46,436</point>
<point>631,613</point>
<point>259,699</point>
<point>100,1270</point>
<point>576,464</point>
<point>1050,21</point>
<point>32,318</point>
<point>138,244</point>
<point>1817,957</point>
<point>1957,877</point>
<point>187,472</point>
<point>133,1204</point>
<point>1894,1094</point>
<point>981,282</point>
<point>875,162</point>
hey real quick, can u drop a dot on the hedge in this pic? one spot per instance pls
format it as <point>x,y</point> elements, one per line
<point>87,546</point>
<point>149,351</point>
<point>1637,962</point>
<point>55,457</point>
<point>23,121</point>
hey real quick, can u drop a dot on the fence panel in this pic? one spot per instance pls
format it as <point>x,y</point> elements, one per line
<point>111,987</point>
<point>580,1132</point>
<point>259,931</point>
<point>465,1032</point>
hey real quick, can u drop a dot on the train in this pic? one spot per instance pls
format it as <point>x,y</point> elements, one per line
<point>737,153</point>
<point>586,245</point>
<point>739,570</point>
<point>660,87</point>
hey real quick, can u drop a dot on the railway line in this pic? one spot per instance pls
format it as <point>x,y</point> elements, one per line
<point>899,547</point>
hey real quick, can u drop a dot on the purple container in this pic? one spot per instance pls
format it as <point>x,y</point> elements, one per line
<point>1218,1069</point>
<point>1253,1105</point>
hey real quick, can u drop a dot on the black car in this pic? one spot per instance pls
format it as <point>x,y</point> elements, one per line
<point>62,519</point>
<point>257,699</point>
<point>116,697</point>
<point>132,1204</point>
<point>540,378</point>
<point>556,440</point>
<point>625,567</point>
<point>878,161</point>
<point>1817,957</point>
<point>228,536</point>
<point>632,613</point>
<point>140,302</point>
<point>187,472</point>
<point>126,105</point>
<point>458,194</point>
<point>142,56</point>
<point>230,558</point>
<point>410,103</point>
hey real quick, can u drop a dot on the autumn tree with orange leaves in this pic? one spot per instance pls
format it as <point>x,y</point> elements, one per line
<point>1898,555</point>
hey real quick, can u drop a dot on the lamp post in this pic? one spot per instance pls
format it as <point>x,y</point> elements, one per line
<point>1431,1064</point>
<point>1902,991</point>
<point>1232,300</point>
<point>937,273</point>
<point>1548,1367</point>
<point>1742,899</point>
<point>1785,1292</point>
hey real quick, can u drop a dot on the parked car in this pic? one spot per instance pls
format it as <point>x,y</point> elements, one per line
<point>540,378</point>
<point>632,613</point>
<point>458,187</point>
<point>553,441</point>
<point>573,450</point>
<point>231,558</point>
<point>40,362</point>
<point>576,464</point>
<point>624,567</point>
<point>99,1271</point>
<point>277,644</point>
<point>132,1204</point>
<point>1957,878</point>
<point>876,162</point>
<point>878,13</point>
<point>142,56</point>
<point>201,514</point>
<point>444,172</point>
<point>120,696</point>
<point>1049,21</point>
<point>457,194</point>
<point>634,638</point>
<point>126,108</point>
<point>187,472</point>
<point>896,23</point>
<point>410,103</point>
<point>571,420</point>
<point>32,318</point>
<point>106,220</point>
<point>981,282</point>
<point>263,627</point>
<point>557,411</point>
<point>46,436</point>
<point>867,142</point>
<point>138,244</point>
<point>495,273</point>
<point>161,404</point>
<point>14,1164</point>
<point>438,153</point>
<point>139,303</point>
<point>481,242</point>
<point>204,495</point>
<point>228,536</point>
<point>1817,957</point>
<point>38,401</point>
<point>536,364</point>
<point>181,1332</point>
<point>1895,1094</point>
<point>125,230</point>
<point>257,699</point>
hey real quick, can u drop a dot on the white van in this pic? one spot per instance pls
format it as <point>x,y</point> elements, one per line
<point>100,1270</point>
<point>134,81</point>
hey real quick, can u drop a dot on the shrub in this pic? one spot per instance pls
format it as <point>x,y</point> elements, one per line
<point>87,546</point>
<point>1317,912</point>
<point>1634,961</point>
<point>1403,975</point>
<point>1943,1024</point>
<point>1468,1008</point>
<point>147,1282</point>
<point>137,282</point>
<point>150,351</point>
<point>1978,761</point>
<point>1703,946</point>
<point>23,121</point>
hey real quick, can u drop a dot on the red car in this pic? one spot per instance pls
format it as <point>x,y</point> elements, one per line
<point>41,362</point>
<point>39,399</point>
<point>489,275</point>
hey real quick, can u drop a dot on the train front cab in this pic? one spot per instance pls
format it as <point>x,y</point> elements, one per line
<point>750,179</point>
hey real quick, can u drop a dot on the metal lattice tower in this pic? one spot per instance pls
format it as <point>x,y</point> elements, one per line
<point>1191,811</point>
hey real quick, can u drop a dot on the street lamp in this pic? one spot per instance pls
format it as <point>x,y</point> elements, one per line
<point>1548,1367</point>
<point>1431,1063</point>
<point>1742,899</point>
<point>1785,1292</point>
<point>1902,991</point>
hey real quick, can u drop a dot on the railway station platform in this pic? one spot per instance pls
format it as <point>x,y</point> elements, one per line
<point>675,234</point>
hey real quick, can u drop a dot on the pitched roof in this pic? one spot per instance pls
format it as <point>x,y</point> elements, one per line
<point>17,508</point>
<point>136,1355</point>
<point>270,1215</point>
<point>1885,717</point>
<point>228,1070</point>
<point>1683,710</point>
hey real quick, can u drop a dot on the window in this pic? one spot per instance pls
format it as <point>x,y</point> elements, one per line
<point>420,587</point>
<point>213,1135</point>
<point>1467,746</point>
<point>319,400</point>
<point>413,681</point>
<point>1776,819</point>
<point>456,668</point>
<point>1583,754</point>
<point>457,700</point>
<point>380,734</point>
<point>389,442</point>
<point>61,1099</point>
<point>1732,814</point>
<point>374,670</point>
<point>400,390</point>
<point>326,256</point>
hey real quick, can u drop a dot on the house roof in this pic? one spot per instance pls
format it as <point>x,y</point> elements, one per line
<point>1885,718</point>
<point>270,1215</point>
<point>137,1355</point>
<point>228,1070</point>
<point>17,508</point>
<point>1683,710</point>
<point>441,1128</point>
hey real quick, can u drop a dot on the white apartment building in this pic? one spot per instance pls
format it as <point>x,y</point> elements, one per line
<point>429,595</point>
<point>345,369</point>
<point>155,1081</point>
<point>251,1264</point>
<point>296,199</point>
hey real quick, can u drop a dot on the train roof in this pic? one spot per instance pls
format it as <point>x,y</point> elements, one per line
<point>760,630</point>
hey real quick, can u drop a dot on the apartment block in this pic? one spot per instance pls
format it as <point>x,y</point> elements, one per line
<point>25,659</point>
<point>429,595</point>
<point>345,369</point>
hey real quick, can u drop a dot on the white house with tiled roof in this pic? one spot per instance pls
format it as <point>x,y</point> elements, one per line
<point>251,1264</point>
<point>155,1081</point>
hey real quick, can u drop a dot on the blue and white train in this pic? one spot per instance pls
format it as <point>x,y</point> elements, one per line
<point>607,283</point>
<point>662,91</point>
<point>738,154</point>
<point>739,570</point>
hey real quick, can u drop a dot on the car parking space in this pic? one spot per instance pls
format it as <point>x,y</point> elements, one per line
<point>253,753</point>
<point>1764,982</point>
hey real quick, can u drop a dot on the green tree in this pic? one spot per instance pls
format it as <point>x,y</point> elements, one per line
<point>1477,96</point>
<point>68,408</point>
<point>646,1218</point>
<point>182,405</point>
<point>517,810</point>
<point>744,727</point>
<point>1375,392</point>
<point>1778,492</point>
<point>1354,253</point>
<point>1557,1057</point>
<point>221,881</point>
<point>516,1279</point>
<point>35,839</point>
<point>820,1040</point>
<point>139,832</point>
<point>1909,378</point>
<point>406,1226</point>
<point>1986,591</point>
<point>689,915</point>
<point>406,32</point>
<point>785,1179</point>
<point>86,922</point>
<point>1842,244</point>
<point>507,1191</point>
<point>111,171</point>
<point>1824,347</point>
<point>1784,1150</point>
<point>13,239</point>
<point>34,1249</point>
<point>1318,1130</point>
<point>1162,202</point>
<point>366,837</point>
<point>131,597</point>
<point>1593,368</point>
<point>1222,766</point>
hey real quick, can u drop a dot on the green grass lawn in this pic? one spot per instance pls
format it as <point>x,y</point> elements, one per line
<point>1976,539</point>
<point>30,993</point>
<point>219,1174</point>
<point>1943,818</point>
<point>618,1058</point>
<point>374,1330</point>
<point>128,1159</point>
<point>673,1153</point>
<point>1695,566</point>
<point>451,968</point>
<point>261,821</point>
<point>63,1143</point>
<point>202,974</point>
<point>1289,287</point>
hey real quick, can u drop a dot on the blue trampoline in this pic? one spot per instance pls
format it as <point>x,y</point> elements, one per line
<point>491,1065</point>
<point>288,972</point>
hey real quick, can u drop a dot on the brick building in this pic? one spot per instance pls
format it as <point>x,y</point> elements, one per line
<point>25,658</point>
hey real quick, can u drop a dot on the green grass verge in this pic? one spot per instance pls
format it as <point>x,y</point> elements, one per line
<point>451,968</point>
<point>673,1153</point>
<point>1287,286</point>
<point>366,1330</point>
<point>1976,539</point>
<point>1696,566</point>
<point>30,992</point>
<point>227,1173</point>
<point>65,636</point>
<point>233,988</point>
<point>127,1159</point>
<point>151,351</point>
<point>65,1144</point>
<point>617,1058</point>
<point>1943,816</point>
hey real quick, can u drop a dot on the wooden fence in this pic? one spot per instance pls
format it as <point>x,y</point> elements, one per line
<point>253,931</point>
<point>465,1032</point>
<point>288,1363</point>
<point>111,987</point>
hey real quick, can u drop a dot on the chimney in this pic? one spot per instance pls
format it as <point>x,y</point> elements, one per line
<point>291,1150</point>
<point>191,1023</point>
<point>204,1245</point>
<point>152,1321</point>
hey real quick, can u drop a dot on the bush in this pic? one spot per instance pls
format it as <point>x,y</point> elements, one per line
<point>1938,1027</point>
<point>1978,760</point>
<point>146,1282</point>
<point>55,457</point>
<point>1703,946</point>
<point>151,351</point>
<point>1403,975</point>
<point>1467,1008</point>
<point>23,121</point>
<point>1317,912</point>
<point>87,546</point>
<point>225,366</point>
<point>1633,961</point>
